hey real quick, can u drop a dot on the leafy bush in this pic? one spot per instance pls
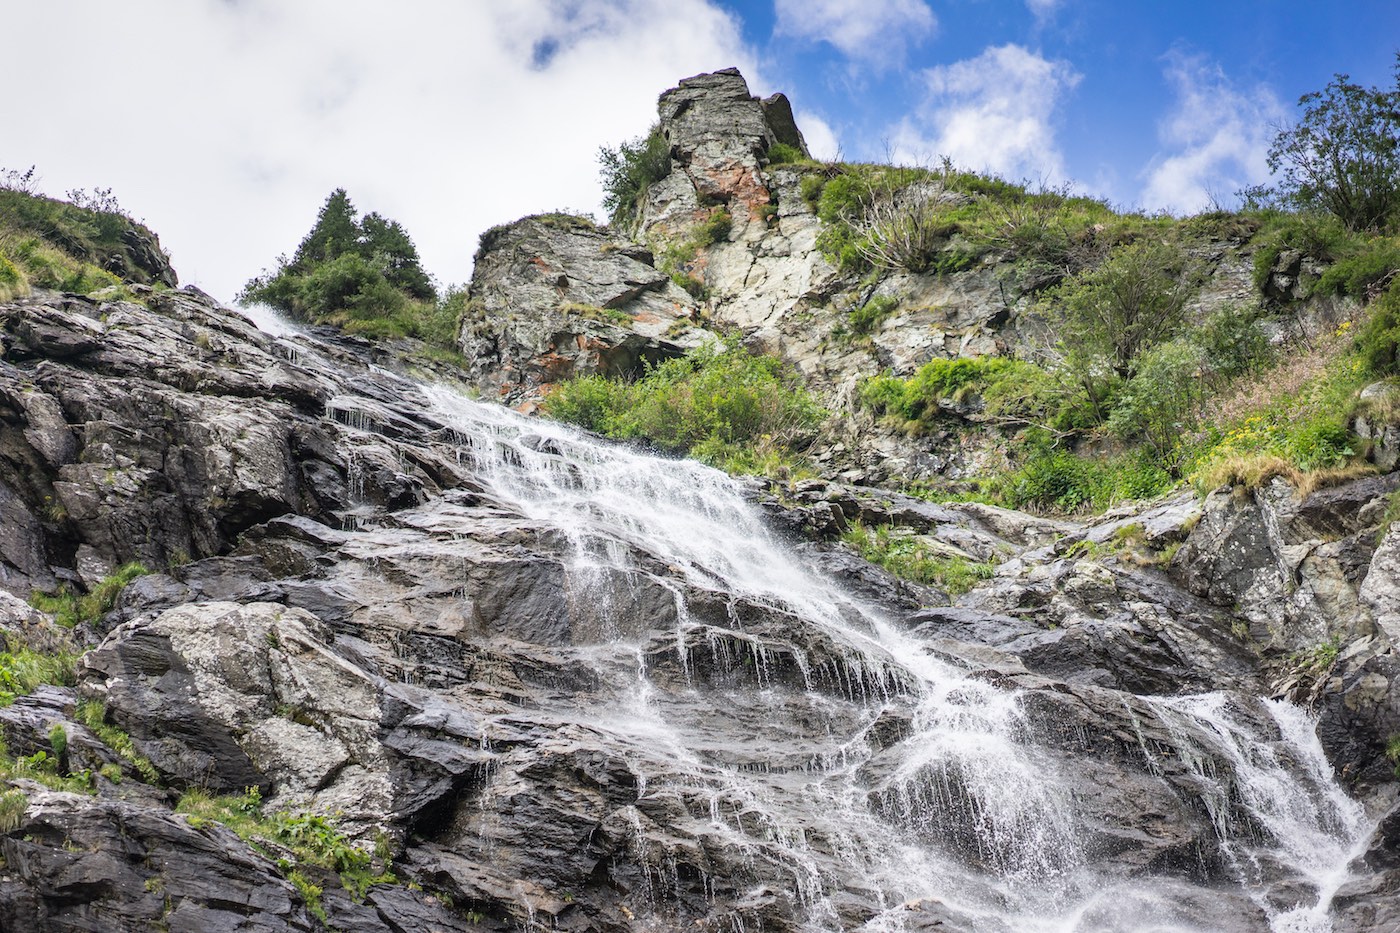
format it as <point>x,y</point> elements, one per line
<point>1378,340</point>
<point>629,170</point>
<point>722,405</point>
<point>1374,263</point>
<point>1111,313</point>
<point>1011,391</point>
<point>1160,403</point>
<point>1057,480</point>
<point>1233,342</point>
<point>715,228</point>
<point>865,318</point>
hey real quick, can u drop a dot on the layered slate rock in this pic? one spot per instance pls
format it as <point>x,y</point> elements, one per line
<point>403,649</point>
<point>555,297</point>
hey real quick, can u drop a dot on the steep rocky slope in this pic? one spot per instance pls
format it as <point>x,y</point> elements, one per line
<point>448,668</point>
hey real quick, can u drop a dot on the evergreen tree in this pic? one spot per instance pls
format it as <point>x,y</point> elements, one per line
<point>386,242</point>
<point>334,234</point>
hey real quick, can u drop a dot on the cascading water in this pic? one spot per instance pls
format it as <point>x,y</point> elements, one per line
<point>914,776</point>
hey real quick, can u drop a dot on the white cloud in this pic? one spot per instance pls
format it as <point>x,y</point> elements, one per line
<point>1043,10</point>
<point>226,124</point>
<point>875,32</point>
<point>1215,139</point>
<point>820,137</point>
<point>991,113</point>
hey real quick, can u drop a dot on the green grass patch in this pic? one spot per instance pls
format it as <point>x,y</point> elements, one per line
<point>70,609</point>
<point>94,715</point>
<point>722,405</point>
<point>313,839</point>
<point>913,557</point>
<point>22,670</point>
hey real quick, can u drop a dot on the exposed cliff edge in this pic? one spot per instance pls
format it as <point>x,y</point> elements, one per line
<point>406,661</point>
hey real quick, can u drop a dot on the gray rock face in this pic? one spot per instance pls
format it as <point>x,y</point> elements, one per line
<point>553,297</point>
<point>585,730</point>
<point>718,133</point>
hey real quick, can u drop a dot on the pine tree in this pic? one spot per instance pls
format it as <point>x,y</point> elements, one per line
<point>334,234</point>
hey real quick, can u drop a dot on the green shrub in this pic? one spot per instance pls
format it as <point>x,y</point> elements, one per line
<point>1057,480</point>
<point>629,170</point>
<point>1317,236</point>
<point>1378,339</point>
<point>362,275</point>
<point>912,557</point>
<point>721,405</point>
<point>1011,391</point>
<point>1233,342</point>
<point>779,153</point>
<point>715,228</point>
<point>1159,404</point>
<point>869,315</point>
<point>1376,261</point>
<point>1111,313</point>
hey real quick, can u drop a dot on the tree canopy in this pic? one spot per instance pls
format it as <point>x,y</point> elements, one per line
<point>360,273</point>
<point>1343,155</point>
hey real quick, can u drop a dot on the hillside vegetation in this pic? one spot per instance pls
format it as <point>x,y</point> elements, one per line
<point>80,245</point>
<point>1130,381</point>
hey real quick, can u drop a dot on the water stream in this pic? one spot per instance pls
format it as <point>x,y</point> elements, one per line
<point>814,743</point>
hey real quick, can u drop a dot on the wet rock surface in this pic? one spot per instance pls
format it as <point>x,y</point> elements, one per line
<point>360,608</point>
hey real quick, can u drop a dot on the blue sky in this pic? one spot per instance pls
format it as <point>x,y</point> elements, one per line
<point>225,123</point>
<point>1105,94</point>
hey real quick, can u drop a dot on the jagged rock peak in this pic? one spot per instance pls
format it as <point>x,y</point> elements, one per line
<point>715,118</point>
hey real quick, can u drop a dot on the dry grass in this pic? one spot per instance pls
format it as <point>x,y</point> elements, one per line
<point>1250,471</point>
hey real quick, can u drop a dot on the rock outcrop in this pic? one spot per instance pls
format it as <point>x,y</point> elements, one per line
<point>555,297</point>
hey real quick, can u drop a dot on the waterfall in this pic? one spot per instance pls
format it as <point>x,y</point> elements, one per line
<point>801,733</point>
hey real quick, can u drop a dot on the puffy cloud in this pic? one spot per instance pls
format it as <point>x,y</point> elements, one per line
<point>821,138</point>
<point>225,123</point>
<point>875,32</point>
<point>1215,138</point>
<point>991,113</point>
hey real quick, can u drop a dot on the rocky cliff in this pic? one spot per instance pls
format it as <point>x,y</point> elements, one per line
<point>405,661</point>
